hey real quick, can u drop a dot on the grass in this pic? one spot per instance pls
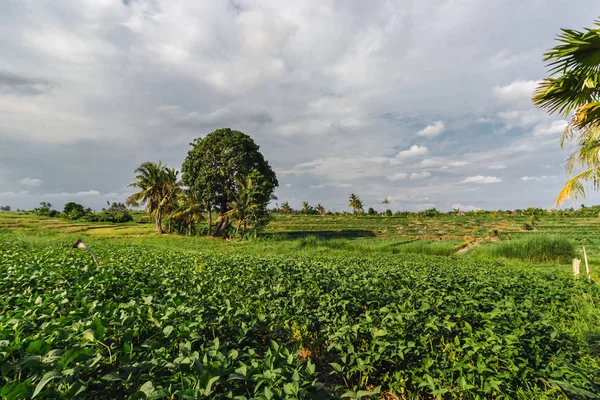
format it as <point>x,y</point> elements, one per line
<point>537,248</point>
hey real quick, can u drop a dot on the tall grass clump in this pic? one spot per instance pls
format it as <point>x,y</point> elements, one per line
<point>537,248</point>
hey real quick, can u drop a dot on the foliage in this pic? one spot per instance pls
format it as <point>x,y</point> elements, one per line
<point>73,211</point>
<point>158,190</point>
<point>158,323</point>
<point>5,208</point>
<point>574,87</point>
<point>371,211</point>
<point>355,203</point>
<point>320,209</point>
<point>216,165</point>
<point>285,208</point>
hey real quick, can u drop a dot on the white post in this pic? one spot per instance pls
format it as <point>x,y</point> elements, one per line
<point>587,267</point>
<point>576,266</point>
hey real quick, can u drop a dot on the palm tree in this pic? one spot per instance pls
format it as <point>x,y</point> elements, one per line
<point>157,185</point>
<point>574,88</point>
<point>306,208</point>
<point>386,203</point>
<point>356,203</point>
<point>188,209</point>
<point>171,191</point>
<point>320,209</point>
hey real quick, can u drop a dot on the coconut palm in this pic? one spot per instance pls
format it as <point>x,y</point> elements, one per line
<point>320,209</point>
<point>157,185</point>
<point>573,88</point>
<point>386,203</point>
<point>356,203</point>
<point>188,209</point>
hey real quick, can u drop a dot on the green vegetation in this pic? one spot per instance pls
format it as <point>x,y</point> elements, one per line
<point>535,248</point>
<point>313,316</point>
<point>573,91</point>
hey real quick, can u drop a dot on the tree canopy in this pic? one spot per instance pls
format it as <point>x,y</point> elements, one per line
<point>217,168</point>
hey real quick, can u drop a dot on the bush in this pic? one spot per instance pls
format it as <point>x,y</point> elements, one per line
<point>538,248</point>
<point>372,211</point>
<point>388,213</point>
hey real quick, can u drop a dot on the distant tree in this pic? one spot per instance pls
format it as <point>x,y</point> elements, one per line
<point>285,208</point>
<point>371,211</point>
<point>5,208</point>
<point>45,209</point>
<point>573,91</point>
<point>388,213</point>
<point>116,207</point>
<point>355,203</point>
<point>320,209</point>
<point>386,203</point>
<point>73,210</point>
<point>306,208</point>
<point>214,166</point>
<point>158,185</point>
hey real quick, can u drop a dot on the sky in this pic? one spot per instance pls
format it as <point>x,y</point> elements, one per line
<point>424,102</point>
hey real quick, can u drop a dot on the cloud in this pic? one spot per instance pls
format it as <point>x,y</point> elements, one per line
<point>433,130</point>
<point>462,207</point>
<point>536,178</point>
<point>554,128</point>
<point>332,92</point>
<point>288,185</point>
<point>31,182</point>
<point>518,92</point>
<point>481,179</point>
<point>12,83</point>
<point>331,184</point>
<point>398,176</point>
<point>413,152</point>
<point>497,166</point>
<point>415,176</point>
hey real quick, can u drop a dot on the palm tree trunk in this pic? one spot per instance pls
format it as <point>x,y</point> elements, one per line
<point>159,222</point>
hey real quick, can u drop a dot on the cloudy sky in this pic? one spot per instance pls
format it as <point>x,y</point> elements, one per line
<point>425,102</point>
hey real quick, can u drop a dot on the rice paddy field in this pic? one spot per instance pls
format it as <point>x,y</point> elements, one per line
<point>334,306</point>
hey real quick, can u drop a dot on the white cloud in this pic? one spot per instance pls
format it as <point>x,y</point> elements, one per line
<point>413,152</point>
<point>554,128</point>
<point>331,184</point>
<point>288,185</point>
<point>31,182</point>
<point>433,130</point>
<point>517,92</point>
<point>462,207</point>
<point>497,166</point>
<point>481,179</point>
<point>398,176</point>
<point>536,178</point>
<point>415,176</point>
<point>458,163</point>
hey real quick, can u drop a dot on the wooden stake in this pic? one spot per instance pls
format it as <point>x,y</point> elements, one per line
<point>587,267</point>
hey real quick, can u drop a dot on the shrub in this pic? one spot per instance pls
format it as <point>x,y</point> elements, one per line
<point>372,211</point>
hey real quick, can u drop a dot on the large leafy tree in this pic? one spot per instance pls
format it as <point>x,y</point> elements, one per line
<point>573,91</point>
<point>217,163</point>
<point>158,188</point>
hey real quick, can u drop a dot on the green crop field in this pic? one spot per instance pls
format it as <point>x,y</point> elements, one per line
<point>318,307</point>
